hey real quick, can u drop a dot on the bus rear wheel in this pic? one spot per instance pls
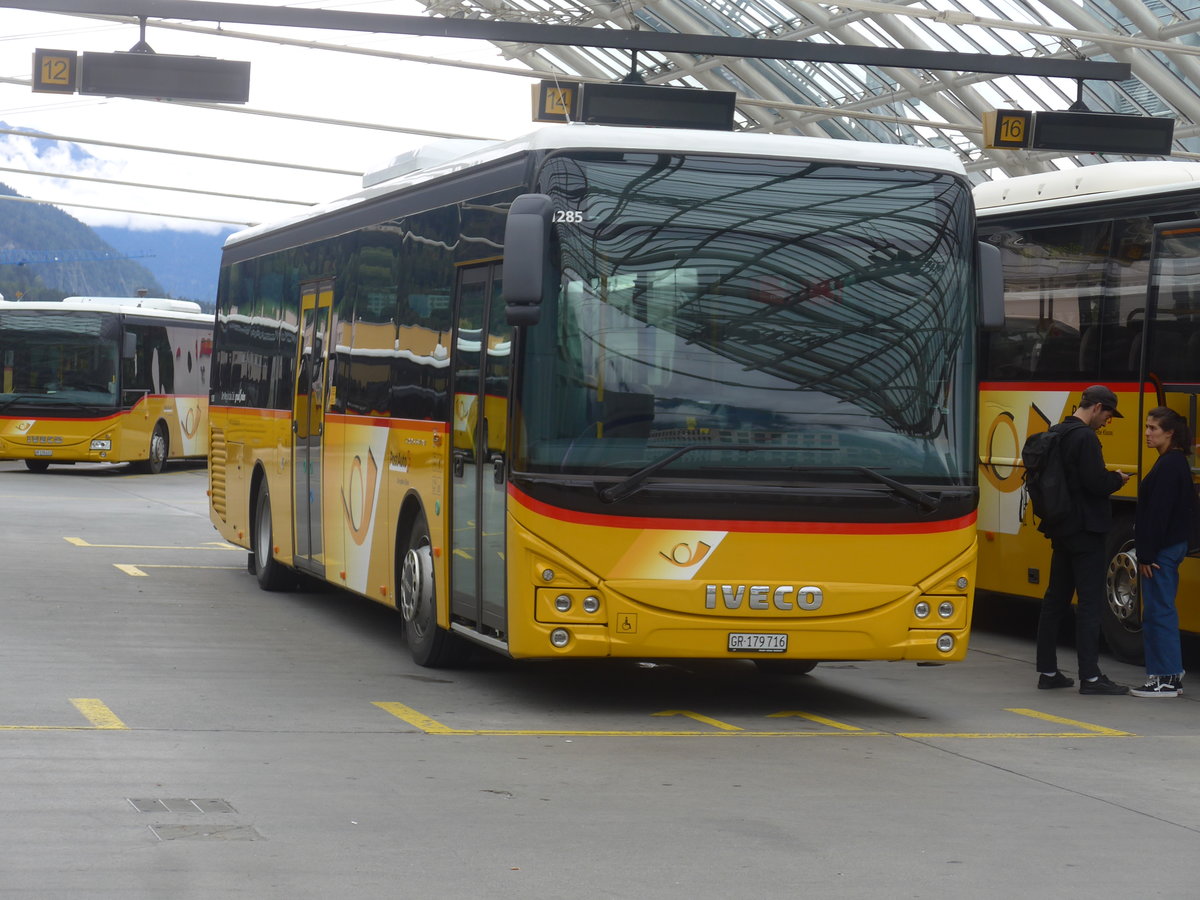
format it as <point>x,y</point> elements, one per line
<point>272,575</point>
<point>430,644</point>
<point>1121,615</point>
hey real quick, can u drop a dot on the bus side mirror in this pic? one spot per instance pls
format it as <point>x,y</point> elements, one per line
<point>526,240</point>
<point>129,346</point>
<point>991,288</point>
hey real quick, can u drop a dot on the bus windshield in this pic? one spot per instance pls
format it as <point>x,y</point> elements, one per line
<point>53,359</point>
<point>817,313</point>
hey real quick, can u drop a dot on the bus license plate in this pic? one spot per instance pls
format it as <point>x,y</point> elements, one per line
<point>746,642</point>
<point>41,452</point>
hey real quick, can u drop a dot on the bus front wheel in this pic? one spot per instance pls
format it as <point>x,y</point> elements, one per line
<point>272,575</point>
<point>36,465</point>
<point>430,644</point>
<point>1121,615</point>
<point>156,459</point>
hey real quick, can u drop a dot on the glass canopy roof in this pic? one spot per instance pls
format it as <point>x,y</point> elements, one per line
<point>1160,39</point>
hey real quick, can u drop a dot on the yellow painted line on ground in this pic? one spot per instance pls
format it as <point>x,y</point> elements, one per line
<point>820,720</point>
<point>1059,720</point>
<point>136,571</point>
<point>210,545</point>
<point>416,719</point>
<point>696,717</point>
<point>101,717</point>
<point>97,713</point>
<point>424,723</point>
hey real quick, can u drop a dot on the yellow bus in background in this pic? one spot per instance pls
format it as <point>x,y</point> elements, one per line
<point>104,379</point>
<point>1102,285</point>
<point>612,392</point>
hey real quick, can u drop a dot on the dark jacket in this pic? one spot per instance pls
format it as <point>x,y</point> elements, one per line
<point>1090,482</point>
<point>1166,507</point>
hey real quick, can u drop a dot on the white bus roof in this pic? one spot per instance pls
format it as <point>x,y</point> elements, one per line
<point>1105,181</point>
<point>432,162</point>
<point>155,306</point>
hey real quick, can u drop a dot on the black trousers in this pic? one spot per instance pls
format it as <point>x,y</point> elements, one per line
<point>1078,566</point>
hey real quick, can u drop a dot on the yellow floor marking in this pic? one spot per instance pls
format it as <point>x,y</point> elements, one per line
<point>1098,729</point>
<point>137,570</point>
<point>412,717</point>
<point>820,720</point>
<point>97,713</point>
<point>424,723</point>
<point>688,714</point>
<point>210,545</point>
<point>101,717</point>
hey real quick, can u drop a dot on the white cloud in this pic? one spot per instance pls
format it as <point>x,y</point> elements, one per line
<point>293,80</point>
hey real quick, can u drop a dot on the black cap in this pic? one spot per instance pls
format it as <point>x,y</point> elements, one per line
<point>1098,393</point>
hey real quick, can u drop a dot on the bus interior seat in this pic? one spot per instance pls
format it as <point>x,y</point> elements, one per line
<point>1089,349</point>
<point>1059,354</point>
<point>628,414</point>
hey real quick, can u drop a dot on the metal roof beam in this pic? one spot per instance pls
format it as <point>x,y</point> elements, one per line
<point>525,32</point>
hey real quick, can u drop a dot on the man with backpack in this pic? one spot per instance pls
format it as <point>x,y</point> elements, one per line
<point>1078,563</point>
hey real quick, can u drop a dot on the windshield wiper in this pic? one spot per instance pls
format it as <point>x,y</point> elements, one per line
<point>633,483</point>
<point>15,397</point>
<point>47,400</point>
<point>926,501</point>
<point>630,485</point>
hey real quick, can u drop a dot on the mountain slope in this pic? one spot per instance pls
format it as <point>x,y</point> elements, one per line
<point>44,230</point>
<point>186,263</point>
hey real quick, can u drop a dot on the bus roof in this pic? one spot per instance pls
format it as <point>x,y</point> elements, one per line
<point>440,159</point>
<point>155,306</point>
<point>1104,181</point>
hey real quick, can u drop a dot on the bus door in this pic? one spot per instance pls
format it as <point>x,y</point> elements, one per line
<point>482,367</point>
<point>308,422</point>
<point>1171,348</point>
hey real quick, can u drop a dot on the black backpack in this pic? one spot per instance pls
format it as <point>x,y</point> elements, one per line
<point>1046,479</point>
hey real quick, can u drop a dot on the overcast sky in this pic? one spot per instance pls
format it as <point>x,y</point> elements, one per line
<point>293,80</point>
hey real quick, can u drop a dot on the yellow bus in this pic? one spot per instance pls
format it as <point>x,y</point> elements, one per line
<point>104,379</point>
<point>1102,284</point>
<point>614,392</point>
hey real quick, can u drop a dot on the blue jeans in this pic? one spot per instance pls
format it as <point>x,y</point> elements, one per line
<point>1160,620</point>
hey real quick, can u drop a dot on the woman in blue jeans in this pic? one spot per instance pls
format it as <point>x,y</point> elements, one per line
<point>1165,510</point>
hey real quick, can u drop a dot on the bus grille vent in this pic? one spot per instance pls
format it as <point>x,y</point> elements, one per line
<point>216,470</point>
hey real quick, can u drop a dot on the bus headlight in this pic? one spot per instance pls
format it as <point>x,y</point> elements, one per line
<point>945,609</point>
<point>591,604</point>
<point>560,637</point>
<point>562,603</point>
<point>945,643</point>
<point>921,610</point>
<point>100,444</point>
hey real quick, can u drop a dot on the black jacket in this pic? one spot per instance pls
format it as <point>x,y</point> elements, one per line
<point>1090,482</point>
<point>1166,506</point>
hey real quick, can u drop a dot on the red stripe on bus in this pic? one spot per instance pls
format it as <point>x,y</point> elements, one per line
<point>749,527</point>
